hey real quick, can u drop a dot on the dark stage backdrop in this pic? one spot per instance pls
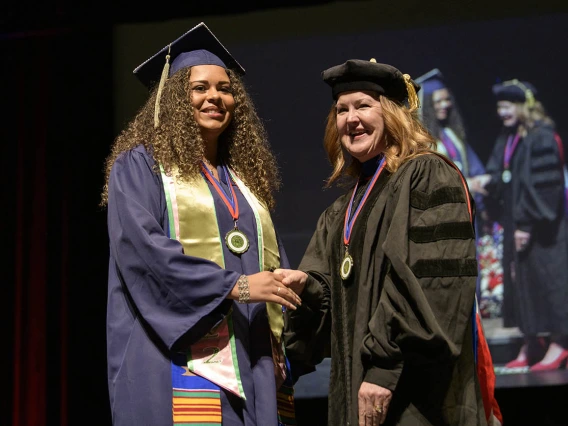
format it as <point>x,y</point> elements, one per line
<point>284,78</point>
<point>62,85</point>
<point>56,127</point>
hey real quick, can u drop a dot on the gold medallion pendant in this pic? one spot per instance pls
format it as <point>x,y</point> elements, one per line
<point>237,241</point>
<point>347,263</point>
<point>346,266</point>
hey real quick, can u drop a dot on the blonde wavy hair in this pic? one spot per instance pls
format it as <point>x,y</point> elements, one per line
<point>530,116</point>
<point>405,138</point>
<point>177,141</point>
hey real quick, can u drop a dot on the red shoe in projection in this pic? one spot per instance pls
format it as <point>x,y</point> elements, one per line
<point>520,361</point>
<point>517,363</point>
<point>560,362</point>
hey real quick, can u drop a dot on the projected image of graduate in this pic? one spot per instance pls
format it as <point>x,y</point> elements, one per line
<point>526,194</point>
<point>441,115</point>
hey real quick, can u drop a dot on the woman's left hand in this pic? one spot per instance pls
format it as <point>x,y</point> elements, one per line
<point>374,403</point>
<point>522,240</point>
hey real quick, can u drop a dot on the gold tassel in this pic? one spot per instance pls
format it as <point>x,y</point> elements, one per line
<point>529,98</point>
<point>413,100</point>
<point>163,78</point>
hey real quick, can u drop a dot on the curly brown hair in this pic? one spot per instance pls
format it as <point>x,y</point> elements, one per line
<point>177,141</point>
<point>405,135</point>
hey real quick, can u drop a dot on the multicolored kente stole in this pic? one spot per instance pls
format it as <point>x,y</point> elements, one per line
<point>212,363</point>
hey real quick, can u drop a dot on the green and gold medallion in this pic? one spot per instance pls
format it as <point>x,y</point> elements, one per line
<point>346,266</point>
<point>237,241</point>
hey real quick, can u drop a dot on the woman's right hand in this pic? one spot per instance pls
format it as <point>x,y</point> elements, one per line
<point>268,287</point>
<point>294,279</point>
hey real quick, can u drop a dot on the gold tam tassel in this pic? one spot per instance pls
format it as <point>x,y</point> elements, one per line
<point>413,101</point>
<point>163,78</point>
<point>529,98</point>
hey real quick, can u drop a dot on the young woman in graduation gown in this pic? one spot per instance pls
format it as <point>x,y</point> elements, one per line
<point>194,324</point>
<point>526,194</point>
<point>441,116</point>
<point>390,273</point>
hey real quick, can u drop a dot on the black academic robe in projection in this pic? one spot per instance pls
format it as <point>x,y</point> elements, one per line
<point>403,319</point>
<point>161,300</point>
<point>536,300</point>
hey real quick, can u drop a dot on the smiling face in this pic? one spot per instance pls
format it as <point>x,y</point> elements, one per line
<point>442,102</point>
<point>360,124</point>
<point>212,100</point>
<point>508,112</point>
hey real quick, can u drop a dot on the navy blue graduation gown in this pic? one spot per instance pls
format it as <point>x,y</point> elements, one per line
<point>161,300</point>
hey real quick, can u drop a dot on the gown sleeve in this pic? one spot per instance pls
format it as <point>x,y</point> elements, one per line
<point>493,201</point>
<point>495,163</point>
<point>475,165</point>
<point>426,302</point>
<point>307,331</point>
<point>179,297</point>
<point>475,168</point>
<point>542,183</point>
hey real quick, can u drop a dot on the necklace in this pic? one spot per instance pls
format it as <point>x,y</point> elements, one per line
<point>347,263</point>
<point>509,150</point>
<point>235,239</point>
<point>209,166</point>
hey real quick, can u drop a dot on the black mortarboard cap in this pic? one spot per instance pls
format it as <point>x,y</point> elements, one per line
<point>360,75</point>
<point>431,81</point>
<point>515,91</point>
<point>198,46</point>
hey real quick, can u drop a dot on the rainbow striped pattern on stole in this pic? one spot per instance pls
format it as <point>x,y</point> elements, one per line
<point>199,405</point>
<point>285,400</point>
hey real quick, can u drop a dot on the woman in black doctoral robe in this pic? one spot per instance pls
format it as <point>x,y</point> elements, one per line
<point>389,277</point>
<point>527,196</point>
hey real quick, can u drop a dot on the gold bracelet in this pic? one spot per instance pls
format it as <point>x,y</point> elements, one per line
<point>243,287</point>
